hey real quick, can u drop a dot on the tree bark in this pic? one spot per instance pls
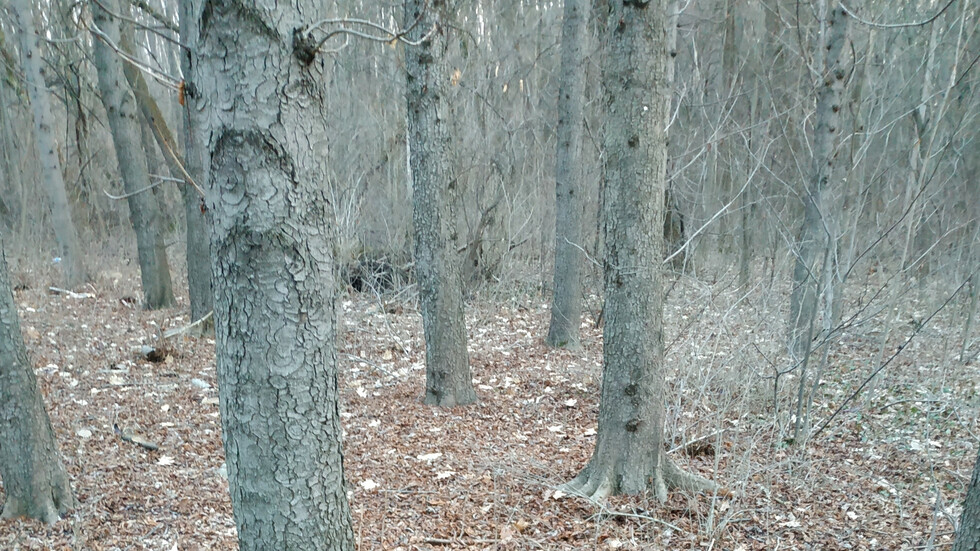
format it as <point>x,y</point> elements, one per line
<point>813,236</point>
<point>34,478</point>
<point>566,305</point>
<point>448,381</point>
<point>72,260</point>
<point>629,456</point>
<point>196,164</point>
<point>144,212</point>
<point>273,266</point>
<point>968,533</point>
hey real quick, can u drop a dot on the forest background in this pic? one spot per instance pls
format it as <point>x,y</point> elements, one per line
<point>837,403</point>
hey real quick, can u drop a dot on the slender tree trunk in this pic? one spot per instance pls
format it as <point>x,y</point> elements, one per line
<point>10,169</point>
<point>52,179</point>
<point>566,306</point>
<point>628,456</point>
<point>968,533</point>
<point>273,244</point>
<point>144,212</point>
<point>34,478</point>
<point>190,167</point>
<point>813,235</point>
<point>196,164</point>
<point>448,381</point>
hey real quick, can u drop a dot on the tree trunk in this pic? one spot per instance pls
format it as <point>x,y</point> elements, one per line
<point>968,534</point>
<point>273,245</point>
<point>34,478</point>
<point>189,168</point>
<point>72,260</point>
<point>813,235</point>
<point>566,306</point>
<point>144,212</point>
<point>629,456</point>
<point>447,371</point>
<point>196,164</point>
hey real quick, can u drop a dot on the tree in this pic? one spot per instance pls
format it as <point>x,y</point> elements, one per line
<point>813,238</point>
<point>566,305</point>
<point>198,255</point>
<point>120,106</point>
<point>273,267</point>
<point>195,162</point>
<point>34,478</point>
<point>52,180</point>
<point>435,185</point>
<point>968,534</point>
<point>629,456</point>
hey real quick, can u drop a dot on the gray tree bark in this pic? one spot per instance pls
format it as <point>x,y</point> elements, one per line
<point>34,477</point>
<point>968,533</point>
<point>448,381</point>
<point>273,266</point>
<point>812,238</point>
<point>144,212</point>
<point>566,305</point>
<point>629,456</point>
<point>72,259</point>
<point>196,164</point>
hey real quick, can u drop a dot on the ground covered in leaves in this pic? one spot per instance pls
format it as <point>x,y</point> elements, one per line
<point>888,472</point>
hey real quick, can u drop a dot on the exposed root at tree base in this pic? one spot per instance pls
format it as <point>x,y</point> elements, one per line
<point>597,484</point>
<point>48,511</point>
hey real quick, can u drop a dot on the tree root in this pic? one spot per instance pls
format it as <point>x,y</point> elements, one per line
<point>597,484</point>
<point>48,510</point>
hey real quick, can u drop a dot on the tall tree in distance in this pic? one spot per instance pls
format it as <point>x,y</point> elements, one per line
<point>120,106</point>
<point>273,246</point>
<point>33,475</point>
<point>448,381</point>
<point>968,533</point>
<point>192,173</point>
<point>629,455</point>
<point>52,180</point>
<point>566,304</point>
<point>196,164</point>
<point>813,238</point>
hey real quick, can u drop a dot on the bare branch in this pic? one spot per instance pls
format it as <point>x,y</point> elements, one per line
<point>857,18</point>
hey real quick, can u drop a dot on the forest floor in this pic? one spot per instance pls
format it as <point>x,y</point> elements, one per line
<point>889,472</point>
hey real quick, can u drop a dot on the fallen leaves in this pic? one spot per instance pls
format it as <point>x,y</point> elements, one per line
<point>487,476</point>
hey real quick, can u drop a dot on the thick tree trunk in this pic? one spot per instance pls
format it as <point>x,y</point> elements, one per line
<point>52,180</point>
<point>34,478</point>
<point>813,235</point>
<point>968,534</point>
<point>196,164</point>
<point>448,381</point>
<point>566,305</point>
<point>629,456</point>
<point>144,212</point>
<point>273,245</point>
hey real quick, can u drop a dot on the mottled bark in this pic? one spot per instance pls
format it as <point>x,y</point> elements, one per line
<point>34,478</point>
<point>52,180</point>
<point>144,212</point>
<point>196,165</point>
<point>448,381</point>
<point>968,533</point>
<point>812,239</point>
<point>629,456</point>
<point>273,266</point>
<point>566,305</point>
